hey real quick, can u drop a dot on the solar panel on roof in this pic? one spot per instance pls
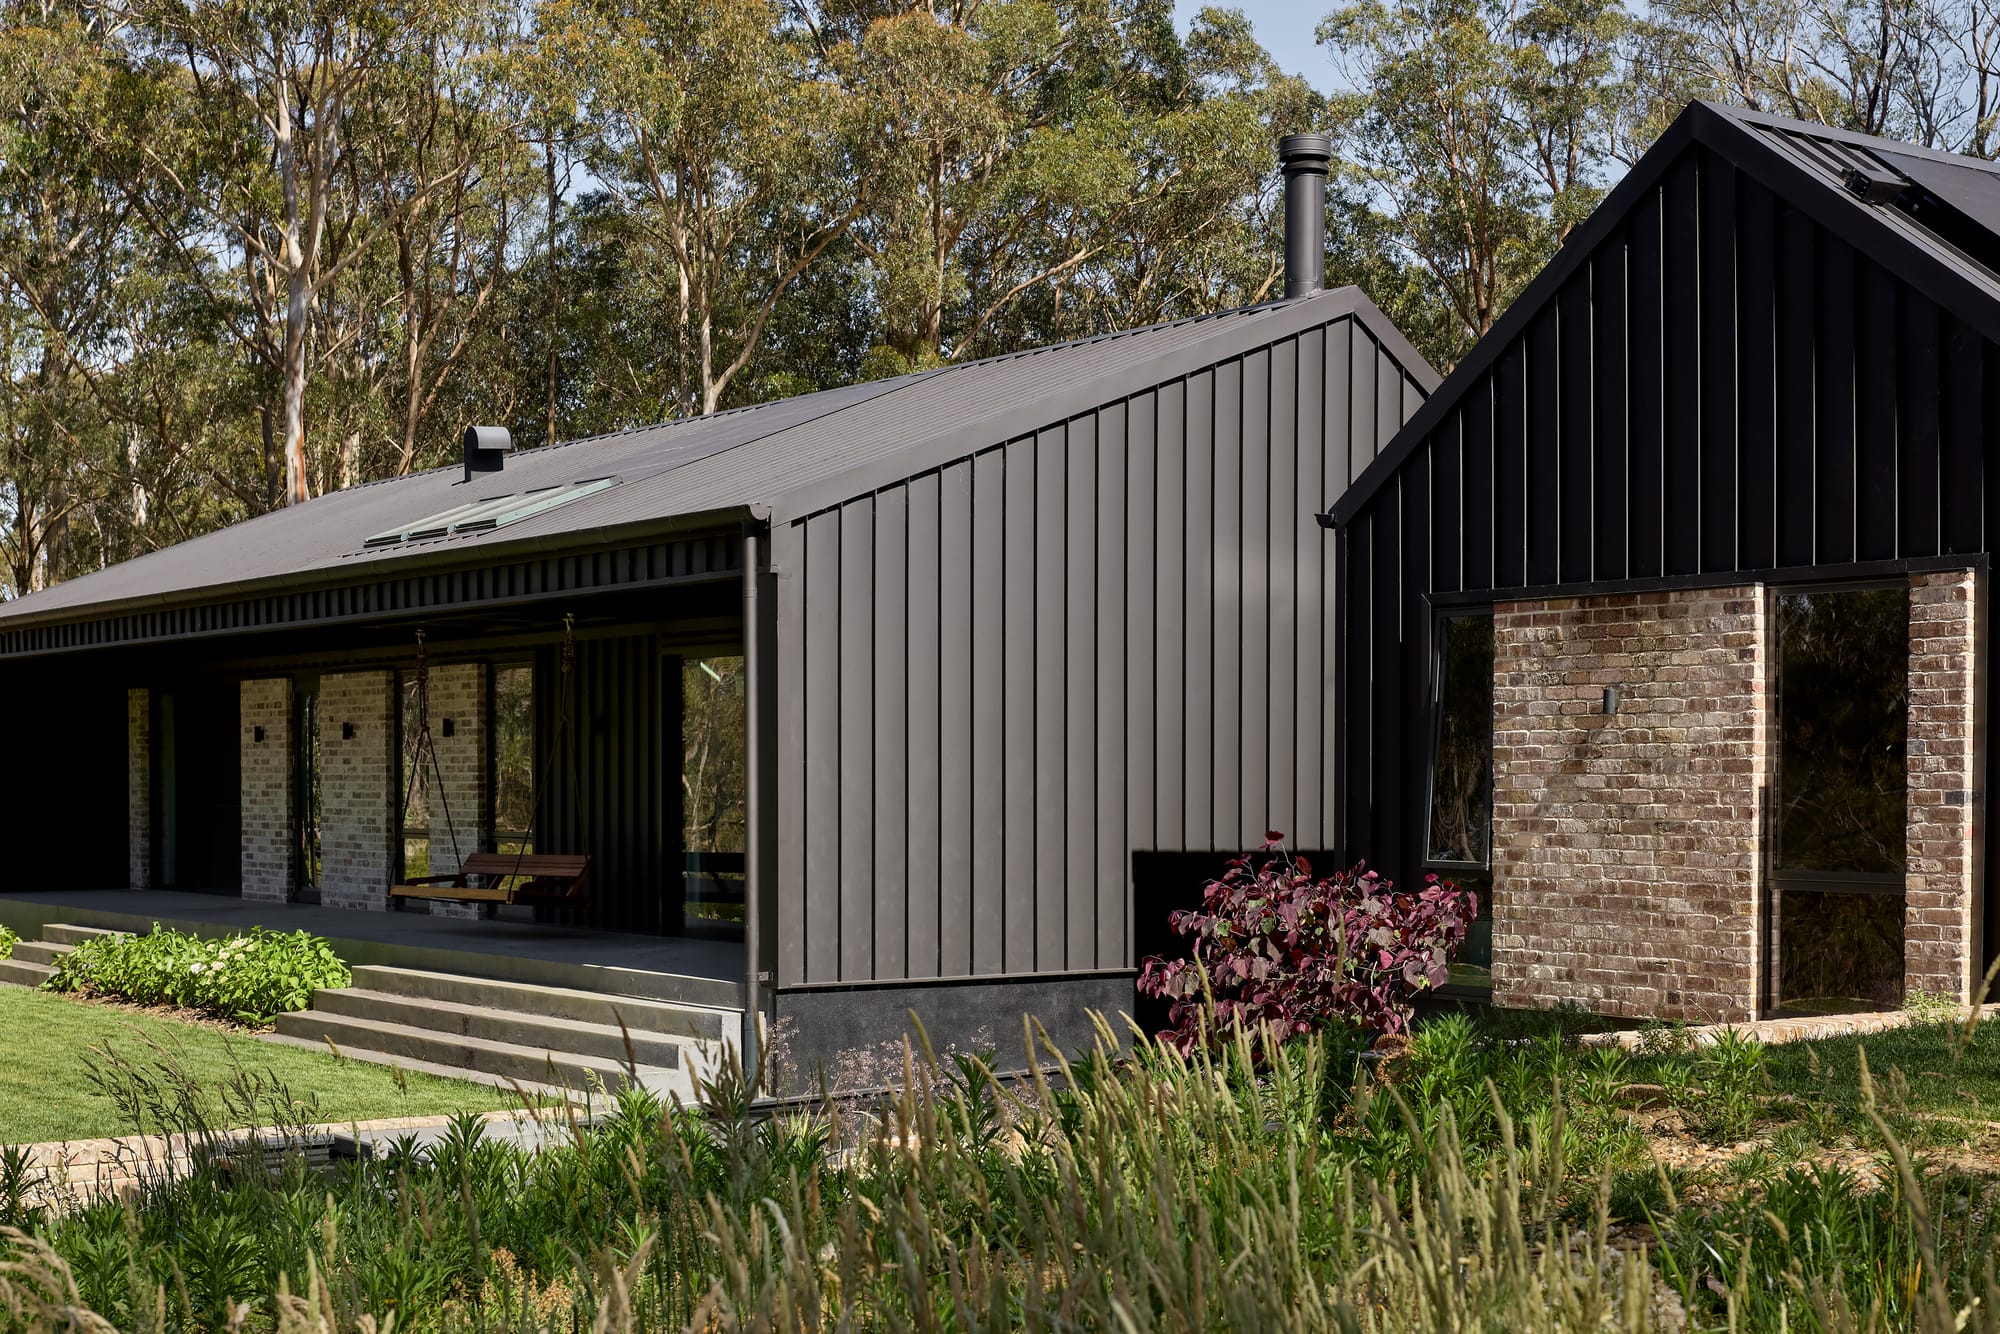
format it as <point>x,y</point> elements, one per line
<point>483,516</point>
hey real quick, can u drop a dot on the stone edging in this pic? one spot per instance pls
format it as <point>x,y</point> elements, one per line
<point>1774,1031</point>
<point>77,1171</point>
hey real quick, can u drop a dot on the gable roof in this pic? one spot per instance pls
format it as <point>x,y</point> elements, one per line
<point>1803,164</point>
<point>776,461</point>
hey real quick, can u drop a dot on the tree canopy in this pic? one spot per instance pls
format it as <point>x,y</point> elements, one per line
<point>251,252</point>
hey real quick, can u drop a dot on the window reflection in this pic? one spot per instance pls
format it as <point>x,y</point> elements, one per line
<point>1462,760</point>
<point>1842,730</point>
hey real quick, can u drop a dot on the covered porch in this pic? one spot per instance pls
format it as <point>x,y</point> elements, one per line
<point>286,765</point>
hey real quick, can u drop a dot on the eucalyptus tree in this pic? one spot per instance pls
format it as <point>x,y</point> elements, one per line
<point>1204,232</point>
<point>1480,129</point>
<point>996,130</point>
<point>728,141</point>
<point>1926,71</point>
<point>64,256</point>
<point>282,111</point>
<point>457,187</point>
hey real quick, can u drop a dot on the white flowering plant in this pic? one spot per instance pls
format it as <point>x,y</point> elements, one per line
<point>244,978</point>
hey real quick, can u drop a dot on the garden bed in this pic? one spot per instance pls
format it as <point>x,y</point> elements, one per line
<point>1670,1188</point>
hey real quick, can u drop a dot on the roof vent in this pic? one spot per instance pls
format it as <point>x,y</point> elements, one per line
<point>486,449</point>
<point>1304,159</point>
<point>1874,185</point>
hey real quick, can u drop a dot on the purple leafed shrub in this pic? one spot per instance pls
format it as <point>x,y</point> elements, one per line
<point>1300,952</point>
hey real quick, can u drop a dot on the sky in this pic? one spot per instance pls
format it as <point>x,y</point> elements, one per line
<point>1285,27</point>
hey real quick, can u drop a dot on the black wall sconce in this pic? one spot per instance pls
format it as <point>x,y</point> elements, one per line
<point>450,727</point>
<point>257,734</point>
<point>347,731</point>
<point>1610,700</point>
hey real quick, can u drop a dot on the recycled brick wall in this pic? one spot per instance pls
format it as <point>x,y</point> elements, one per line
<point>1627,848</point>
<point>458,694</point>
<point>139,788</point>
<point>358,789</point>
<point>1941,922</point>
<point>267,788</point>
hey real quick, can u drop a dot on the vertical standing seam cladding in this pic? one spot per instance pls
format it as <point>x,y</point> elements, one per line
<point>1721,385</point>
<point>1001,677</point>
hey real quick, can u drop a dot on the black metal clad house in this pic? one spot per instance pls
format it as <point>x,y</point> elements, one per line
<point>1768,359</point>
<point>1003,625</point>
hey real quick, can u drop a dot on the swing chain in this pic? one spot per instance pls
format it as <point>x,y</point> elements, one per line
<point>426,745</point>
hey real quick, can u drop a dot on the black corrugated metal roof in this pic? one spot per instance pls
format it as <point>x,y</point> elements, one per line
<point>781,459</point>
<point>1806,166</point>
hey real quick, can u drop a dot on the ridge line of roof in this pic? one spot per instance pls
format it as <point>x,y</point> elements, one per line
<point>1347,302</point>
<point>1852,138</point>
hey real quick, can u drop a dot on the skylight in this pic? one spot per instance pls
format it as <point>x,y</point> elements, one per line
<point>485,515</point>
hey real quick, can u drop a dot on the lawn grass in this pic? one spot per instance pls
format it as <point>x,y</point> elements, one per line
<point>46,1094</point>
<point>1944,1073</point>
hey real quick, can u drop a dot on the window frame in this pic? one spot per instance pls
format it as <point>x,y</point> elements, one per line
<point>1439,619</point>
<point>1780,877</point>
<point>490,830</point>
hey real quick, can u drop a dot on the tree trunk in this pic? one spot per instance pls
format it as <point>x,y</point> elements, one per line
<point>274,461</point>
<point>298,305</point>
<point>297,312</point>
<point>555,285</point>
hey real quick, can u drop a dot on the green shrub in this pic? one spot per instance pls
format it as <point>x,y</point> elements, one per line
<point>246,978</point>
<point>9,938</point>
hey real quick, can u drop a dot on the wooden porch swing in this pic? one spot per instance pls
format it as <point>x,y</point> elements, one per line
<point>546,879</point>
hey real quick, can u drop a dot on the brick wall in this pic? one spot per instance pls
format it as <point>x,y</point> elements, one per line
<point>358,788</point>
<point>1627,848</point>
<point>457,693</point>
<point>267,789</point>
<point>139,788</point>
<point>1941,923</point>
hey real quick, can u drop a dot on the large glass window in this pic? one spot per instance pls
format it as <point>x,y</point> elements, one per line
<point>1843,730</point>
<point>305,790</point>
<point>1839,809</point>
<point>714,784</point>
<point>1461,801</point>
<point>417,781</point>
<point>1458,825</point>
<point>513,757</point>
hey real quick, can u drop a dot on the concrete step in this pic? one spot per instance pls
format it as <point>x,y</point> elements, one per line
<point>19,972</point>
<point>39,951</point>
<point>515,1027</point>
<point>529,1064</point>
<point>589,1007</point>
<point>528,1086</point>
<point>61,933</point>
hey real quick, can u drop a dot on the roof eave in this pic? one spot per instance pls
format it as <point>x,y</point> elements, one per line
<point>439,558</point>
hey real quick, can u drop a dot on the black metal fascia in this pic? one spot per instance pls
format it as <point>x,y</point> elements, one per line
<point>443,563</point>
<point>1845,572</point>
<point>411,586</point>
